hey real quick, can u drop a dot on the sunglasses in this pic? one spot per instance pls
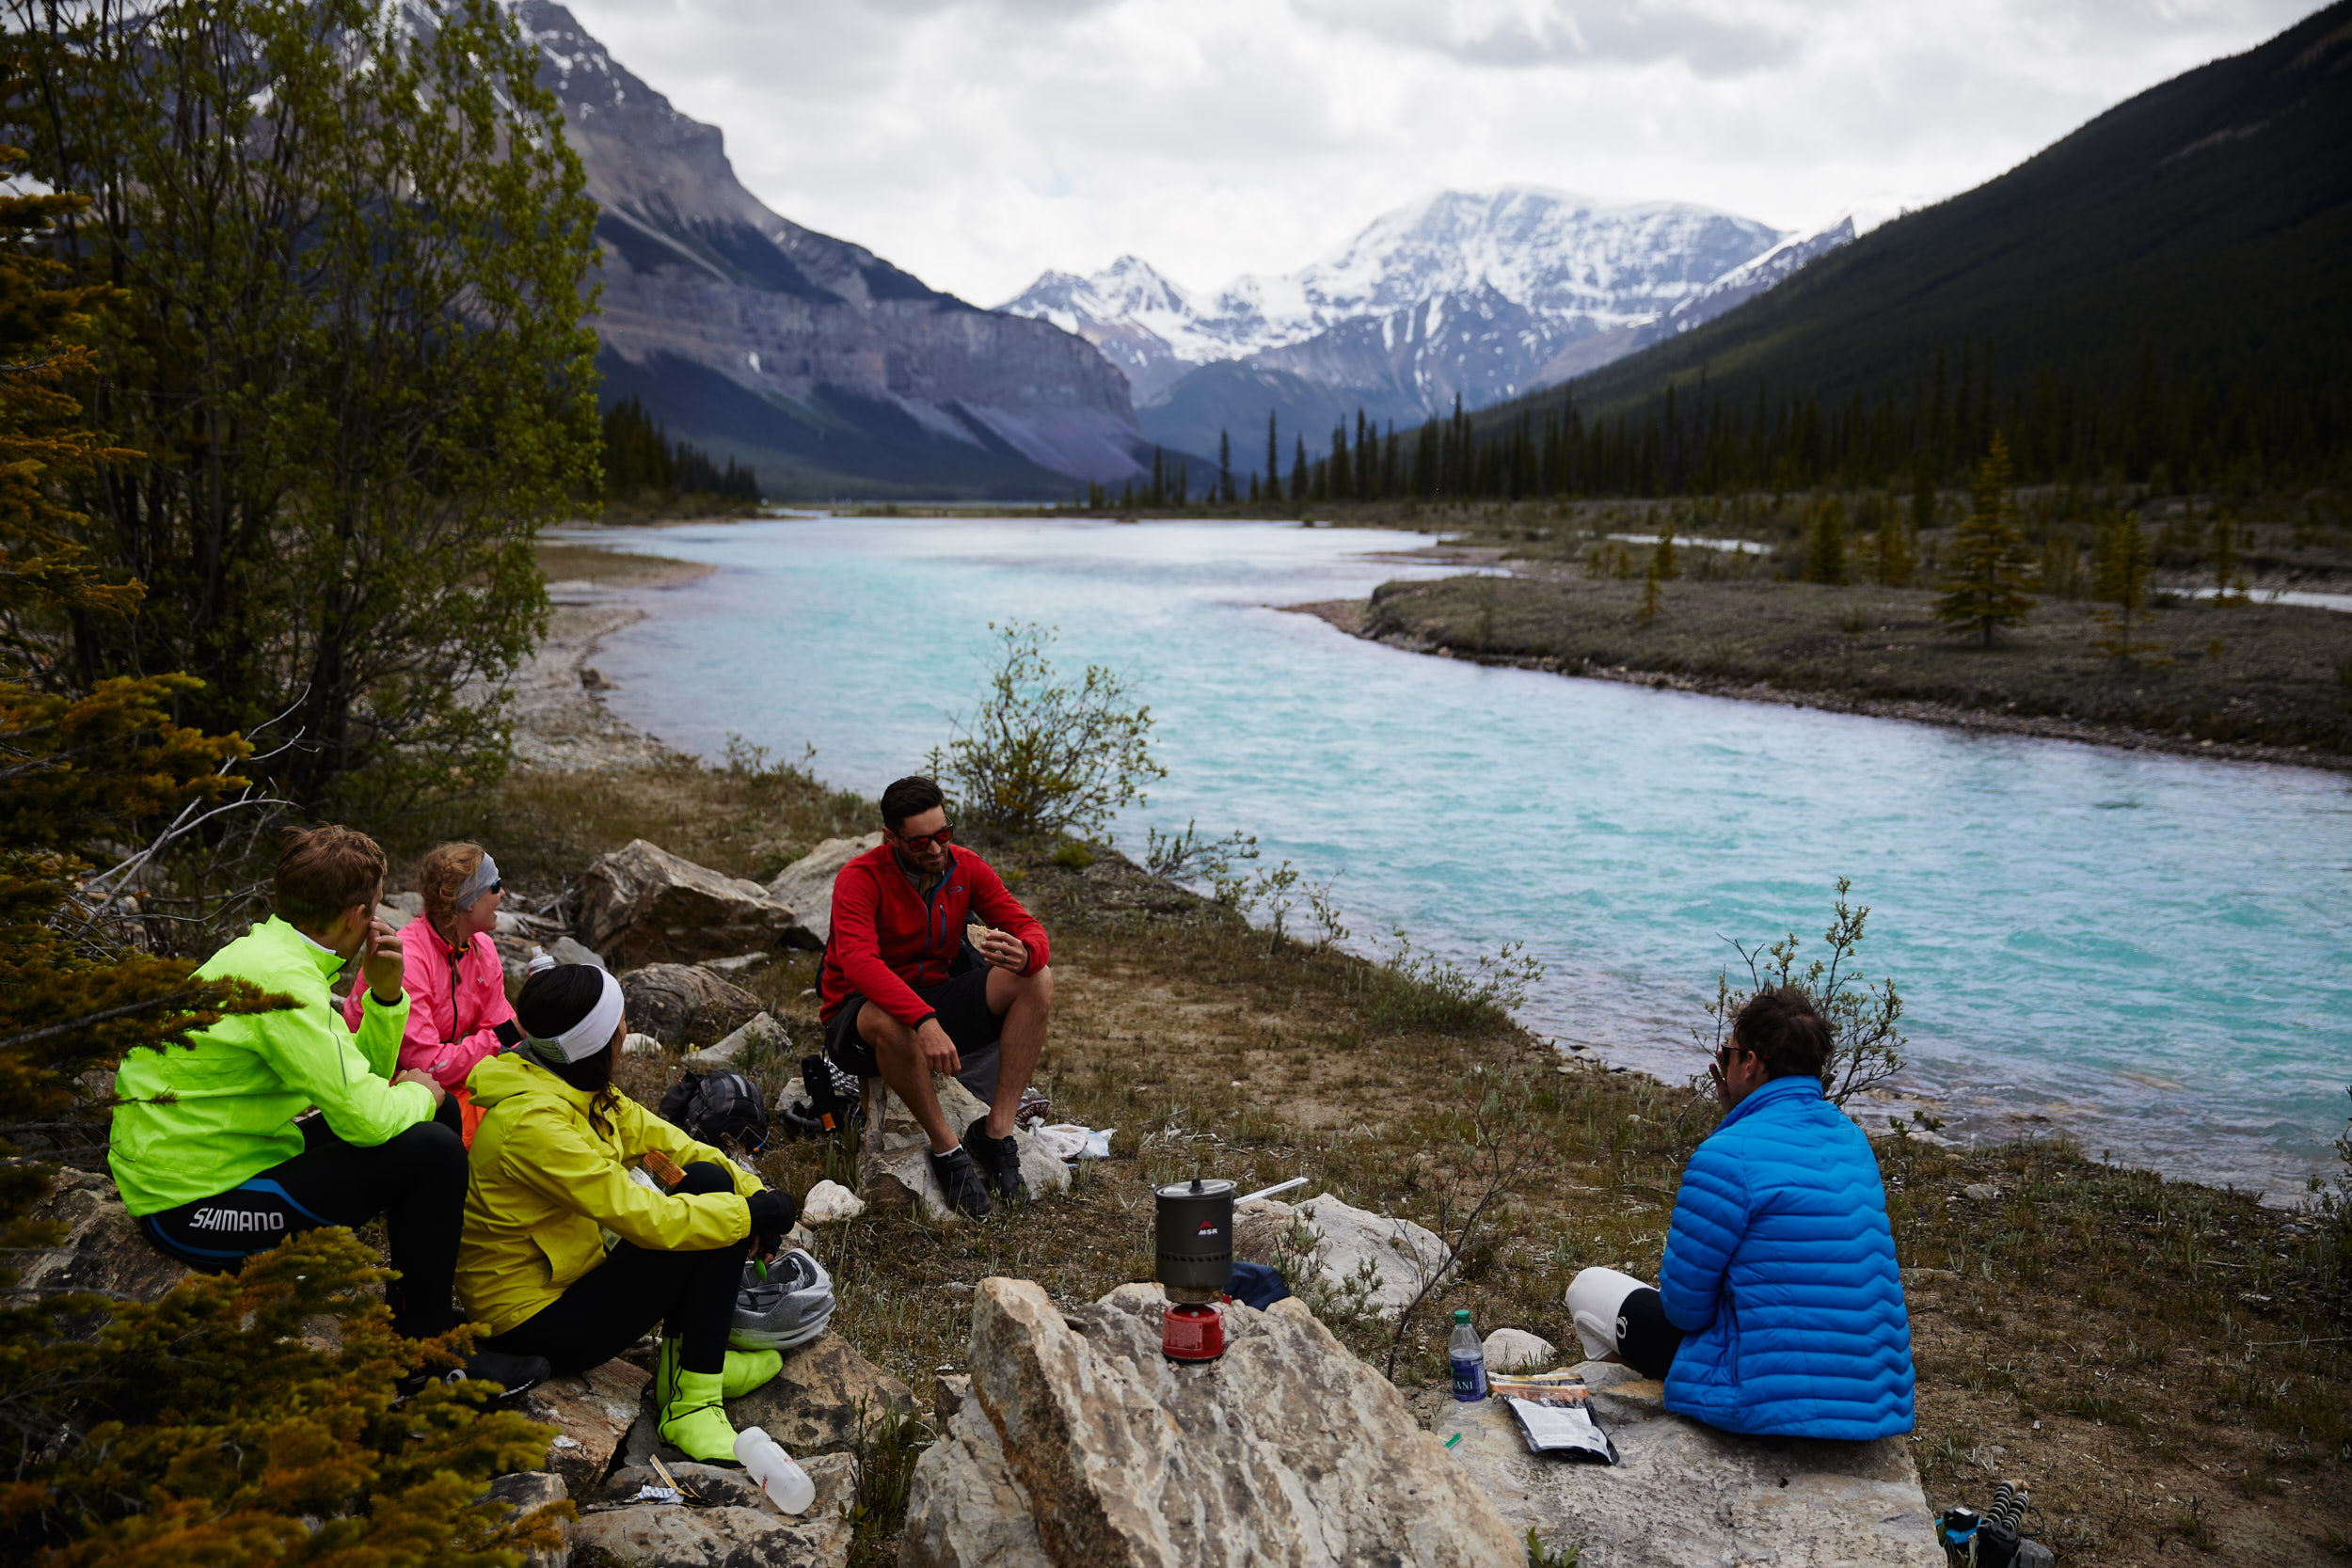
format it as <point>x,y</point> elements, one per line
<point>921,841</point>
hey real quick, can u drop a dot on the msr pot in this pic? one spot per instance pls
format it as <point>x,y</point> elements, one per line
<point>1196,1264</point>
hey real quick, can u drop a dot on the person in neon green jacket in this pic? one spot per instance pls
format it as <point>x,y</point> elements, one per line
<point>550,1176</point>
<point>209,1144</point>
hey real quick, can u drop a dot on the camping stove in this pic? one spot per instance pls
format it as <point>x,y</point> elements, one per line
<point>1196,1264</point>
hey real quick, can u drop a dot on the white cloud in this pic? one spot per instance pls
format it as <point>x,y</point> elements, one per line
<point>976,142</point>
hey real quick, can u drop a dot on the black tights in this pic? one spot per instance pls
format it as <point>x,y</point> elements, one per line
<point>609,1308</point>
<point>416,1180</point>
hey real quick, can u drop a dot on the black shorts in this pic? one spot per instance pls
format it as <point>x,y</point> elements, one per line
<point>960,1001</point>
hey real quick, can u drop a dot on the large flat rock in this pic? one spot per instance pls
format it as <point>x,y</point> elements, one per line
<point>737,1528</point>
<point>595,1411</point>
<point>101,1252</point>
<point>1081,1447</point>
<point>1690,1496</point>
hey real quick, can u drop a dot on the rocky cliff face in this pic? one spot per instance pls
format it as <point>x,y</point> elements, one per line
<point>820,364</point>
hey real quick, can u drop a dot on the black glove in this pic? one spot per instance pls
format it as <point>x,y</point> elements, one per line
<point>772,1213</point>
<point>510,1035</point>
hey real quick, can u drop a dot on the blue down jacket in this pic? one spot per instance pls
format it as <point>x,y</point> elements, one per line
<point>1780,1270</point>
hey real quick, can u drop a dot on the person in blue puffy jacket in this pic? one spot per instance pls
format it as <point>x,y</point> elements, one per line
<point>1778,1309</point>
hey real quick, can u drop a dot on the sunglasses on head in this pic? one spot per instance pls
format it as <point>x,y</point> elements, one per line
<point>920,841</point>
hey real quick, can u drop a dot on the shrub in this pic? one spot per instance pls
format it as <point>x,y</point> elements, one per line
<point>1040,756</point>
<point>1866,1046</point>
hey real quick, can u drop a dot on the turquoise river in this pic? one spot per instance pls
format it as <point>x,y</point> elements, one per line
<point>2145,952</point>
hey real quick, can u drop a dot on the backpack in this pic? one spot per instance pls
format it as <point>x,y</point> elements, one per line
<point>719,1108</point>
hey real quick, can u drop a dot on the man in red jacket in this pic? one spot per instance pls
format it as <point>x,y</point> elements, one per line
<point>903,993</point>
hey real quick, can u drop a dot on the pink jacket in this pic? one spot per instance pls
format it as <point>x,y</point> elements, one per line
<point>454,1014</point>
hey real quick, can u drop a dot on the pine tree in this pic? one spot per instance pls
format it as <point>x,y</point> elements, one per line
<point>1273,460</point>
<point>1159,476</point>
<point>1651,599</point>
<point>1665,560</point>
<point>1825,544</point>
<point>1336,472</point>
<point>201,1428</point>
<point>2227,582</point>
<point>1224,468</point>
<point>1894,552</point>
<point>1984,581</point>
<point>2122,565</point>
<point>1299,473</point>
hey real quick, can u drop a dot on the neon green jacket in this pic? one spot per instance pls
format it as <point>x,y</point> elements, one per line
<point>235,1095</point>
<point>544,1180</point>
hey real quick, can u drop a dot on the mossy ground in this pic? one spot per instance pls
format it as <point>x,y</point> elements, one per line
<point>2167,1365</point>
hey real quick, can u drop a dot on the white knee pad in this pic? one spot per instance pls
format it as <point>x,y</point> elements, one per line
<point>1595,1297</point>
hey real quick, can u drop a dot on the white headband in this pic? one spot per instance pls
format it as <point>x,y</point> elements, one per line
<point>591,1034</point>
<point>479,884</point>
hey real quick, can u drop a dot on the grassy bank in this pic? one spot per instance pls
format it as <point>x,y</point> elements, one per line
<point>2206,671</point>
<point>2165,1365</point>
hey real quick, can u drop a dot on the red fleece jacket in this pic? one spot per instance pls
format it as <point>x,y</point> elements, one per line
<point>888,938</point>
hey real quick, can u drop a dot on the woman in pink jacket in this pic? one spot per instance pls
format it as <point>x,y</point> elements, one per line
<point>458,1012</point>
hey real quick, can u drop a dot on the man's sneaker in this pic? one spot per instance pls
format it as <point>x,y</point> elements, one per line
<point>515,1375</point>
<point>1000,1158</point>
<point>960,1185</point>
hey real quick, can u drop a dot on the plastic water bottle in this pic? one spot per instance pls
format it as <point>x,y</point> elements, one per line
<point>1468,1357</point>
<point>764,1459</point>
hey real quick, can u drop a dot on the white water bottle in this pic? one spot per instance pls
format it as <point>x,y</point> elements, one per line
<point>787,1484</point>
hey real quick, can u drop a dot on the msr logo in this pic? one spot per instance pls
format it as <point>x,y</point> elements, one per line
<point>236,1219</point>
<point>1208,1228</point>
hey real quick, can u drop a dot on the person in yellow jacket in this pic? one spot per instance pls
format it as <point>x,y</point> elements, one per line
<point>550,1177</point>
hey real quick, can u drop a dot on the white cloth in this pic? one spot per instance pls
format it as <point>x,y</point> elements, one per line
<point>1595,1298</point>
<point>1067,1140</point>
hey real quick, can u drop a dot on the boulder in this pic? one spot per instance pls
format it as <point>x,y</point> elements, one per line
<point>1515,1350</point>
<point>683,1005</point>
<point>829,1202</point>
<point>525,1493</point>
<point>643,905</point>
<point>1686,1494</point>
<point>807,884</point>
<point>102,1251</point>
<point>744,1530</point>
<point>393,916</point>
<point>1357,1261</point>
<point>1080,1444</point>
<point>810,1407</point>
<point>595,1411</point>
<point>641,1045</point>
<point>762,1033</point>
<point>563,950</point>
<point>893,1159</point>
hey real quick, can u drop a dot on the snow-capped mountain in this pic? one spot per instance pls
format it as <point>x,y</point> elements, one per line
<point>1482,295</point>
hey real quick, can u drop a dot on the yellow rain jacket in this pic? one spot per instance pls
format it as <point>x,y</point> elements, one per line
<point>543,1182</point>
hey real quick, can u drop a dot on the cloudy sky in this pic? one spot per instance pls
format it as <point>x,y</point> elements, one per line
<point>976,142</point>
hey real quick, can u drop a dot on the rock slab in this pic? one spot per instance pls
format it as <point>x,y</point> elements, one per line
<point>741,1529</point>
<point>1515,1350</point>
<point>685,1005</point>
<point>1360,1262</point>
<point>760,1032</point>
<point>894,1166</point>
<point>524,1493</point>
<point>595,1411</point>
<point>643,905</point>
<point>1081,1445</point>
<point>1686,1494</point>
<point>102,1250</point>
<point>807,884</point>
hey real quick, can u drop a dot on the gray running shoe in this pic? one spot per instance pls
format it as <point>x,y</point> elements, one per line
<point>787,1309</point>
